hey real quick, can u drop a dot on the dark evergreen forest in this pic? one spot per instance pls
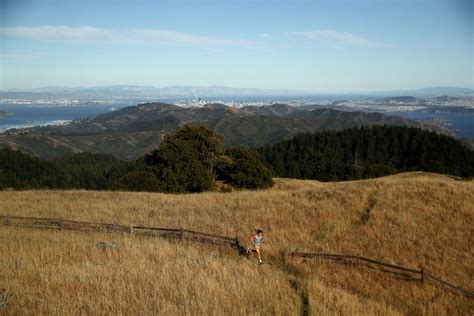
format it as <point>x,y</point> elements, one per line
<point>193,159</point>
<point>368,152</point>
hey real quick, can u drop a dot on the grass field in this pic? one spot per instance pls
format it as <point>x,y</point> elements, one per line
<point>412,219</point>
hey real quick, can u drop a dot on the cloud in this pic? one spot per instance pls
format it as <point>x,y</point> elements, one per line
<point>20,55</point>
<point>129,36</point>
<point>49,32</point>
<point>336,38</point>
<point>264,35</point>
<point>173,37</point>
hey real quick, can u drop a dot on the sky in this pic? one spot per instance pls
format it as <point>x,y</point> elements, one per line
<point>320,46</point>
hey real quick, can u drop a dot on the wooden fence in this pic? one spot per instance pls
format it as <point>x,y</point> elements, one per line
<point>181,234</point>
<point>171,233</point>
<point>421,274</point>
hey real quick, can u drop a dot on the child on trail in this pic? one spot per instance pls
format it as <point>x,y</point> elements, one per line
<point>256,241</point>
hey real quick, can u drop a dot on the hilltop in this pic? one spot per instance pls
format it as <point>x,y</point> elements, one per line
<point>132,131</point>
<point>415,219</point>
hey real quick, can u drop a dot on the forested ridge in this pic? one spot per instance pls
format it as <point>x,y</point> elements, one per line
<point>130,132</point>
<point>193,159</point>
<point>190,160</point>
<point>364,152</point>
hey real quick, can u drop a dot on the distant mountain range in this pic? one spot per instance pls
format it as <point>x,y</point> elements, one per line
<point>131,91</point>
<point>132,131</point>
<point>430,91</point>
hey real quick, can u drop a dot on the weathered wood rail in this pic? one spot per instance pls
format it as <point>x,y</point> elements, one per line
<point>171,233</point>
<point>423,276</point>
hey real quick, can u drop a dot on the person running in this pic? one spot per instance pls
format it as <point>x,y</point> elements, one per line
<point>256,241</point>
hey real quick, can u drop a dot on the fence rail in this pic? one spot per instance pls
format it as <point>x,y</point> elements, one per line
<point>348,257</point>
<point>423,275</point>
<point>175,233</point>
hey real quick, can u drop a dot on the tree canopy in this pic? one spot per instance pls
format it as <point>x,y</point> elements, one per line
<point>192,159</point>
<point>244,168</point>
<point>368,152</point>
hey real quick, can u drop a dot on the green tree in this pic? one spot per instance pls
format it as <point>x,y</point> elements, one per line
<point>185,160</point>
<point>204,142</point>
<point>246,169</point>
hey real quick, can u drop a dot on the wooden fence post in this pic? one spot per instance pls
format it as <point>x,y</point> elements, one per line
<point>294,253</point>
<point>131,229</point>
<point>423,272</point>
<point>284,257</point>
<point>237,242</point>
<point>181,233</point>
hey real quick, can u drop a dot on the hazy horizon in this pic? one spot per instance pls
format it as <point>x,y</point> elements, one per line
<point>303,92</point>
<point>317,46</point>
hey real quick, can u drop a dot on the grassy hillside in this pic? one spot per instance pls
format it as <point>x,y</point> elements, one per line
<point>416,219</point>
<point>66,274</point>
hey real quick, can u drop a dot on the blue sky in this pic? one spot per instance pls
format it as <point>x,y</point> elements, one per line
<point>322,46</point>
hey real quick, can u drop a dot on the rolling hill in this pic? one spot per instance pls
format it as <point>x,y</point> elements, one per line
<point>132,131</point>
<point>415,220</point>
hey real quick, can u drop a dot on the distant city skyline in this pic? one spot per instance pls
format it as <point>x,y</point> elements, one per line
<point>318,46</point>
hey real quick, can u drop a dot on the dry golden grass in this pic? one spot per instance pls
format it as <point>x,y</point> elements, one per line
<point>415,220</point>
<point>325,300</point>
<point>65,273</point>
